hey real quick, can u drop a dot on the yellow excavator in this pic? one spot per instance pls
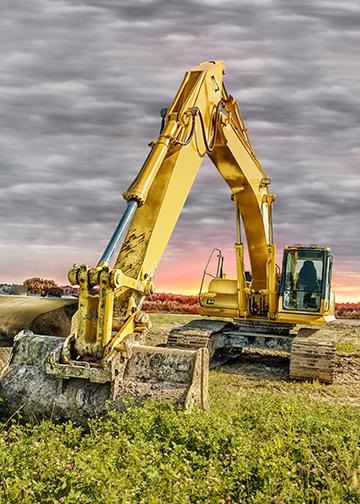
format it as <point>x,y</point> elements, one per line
<point>105,356</point>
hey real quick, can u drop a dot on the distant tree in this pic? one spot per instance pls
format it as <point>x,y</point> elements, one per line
<point>38,285</point>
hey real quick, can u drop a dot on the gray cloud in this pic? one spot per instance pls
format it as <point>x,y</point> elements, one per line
<point>81,86</point>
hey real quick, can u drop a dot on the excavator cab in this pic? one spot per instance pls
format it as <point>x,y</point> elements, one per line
<point>304,288</point>
<point>306,280</point>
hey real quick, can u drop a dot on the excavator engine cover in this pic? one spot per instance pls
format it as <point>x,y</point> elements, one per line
<point>37,384</point>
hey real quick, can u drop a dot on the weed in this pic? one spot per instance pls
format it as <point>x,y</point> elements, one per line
<point>346,347</point>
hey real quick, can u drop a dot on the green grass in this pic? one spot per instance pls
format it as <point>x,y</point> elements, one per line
<point>253,447</point>
<point>347,348</point>
<point>167,318</point>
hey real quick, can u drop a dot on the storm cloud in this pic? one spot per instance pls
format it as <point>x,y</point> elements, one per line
<point>81,87</point>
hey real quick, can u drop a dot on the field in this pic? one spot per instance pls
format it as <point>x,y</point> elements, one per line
<point>265,440</point>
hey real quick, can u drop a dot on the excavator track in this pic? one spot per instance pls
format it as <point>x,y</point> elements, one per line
<point>312,360</point>
<point>219,334</point>
<point>312,356</point>
<point>197,334</point>
<point>205,334</point>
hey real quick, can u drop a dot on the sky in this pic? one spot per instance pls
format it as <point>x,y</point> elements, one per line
<point>81,87</point>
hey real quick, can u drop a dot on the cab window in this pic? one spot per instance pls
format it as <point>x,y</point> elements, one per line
<point>304,270</point>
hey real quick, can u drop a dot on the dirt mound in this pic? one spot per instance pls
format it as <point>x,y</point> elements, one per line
<point>50,316</point>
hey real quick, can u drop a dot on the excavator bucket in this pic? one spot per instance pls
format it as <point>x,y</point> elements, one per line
<point>47,315</point>
<point>36,382</point>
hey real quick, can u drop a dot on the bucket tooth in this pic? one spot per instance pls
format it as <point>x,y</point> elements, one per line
<point>35,382</point>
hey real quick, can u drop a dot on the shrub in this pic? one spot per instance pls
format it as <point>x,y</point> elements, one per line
<point>348,310</point>
<point>38,285</point>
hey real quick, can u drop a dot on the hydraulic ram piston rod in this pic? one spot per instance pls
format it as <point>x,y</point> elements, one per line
<point>119,232</point>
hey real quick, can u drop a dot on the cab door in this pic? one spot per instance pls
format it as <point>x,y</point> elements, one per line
<point>306,280</point>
